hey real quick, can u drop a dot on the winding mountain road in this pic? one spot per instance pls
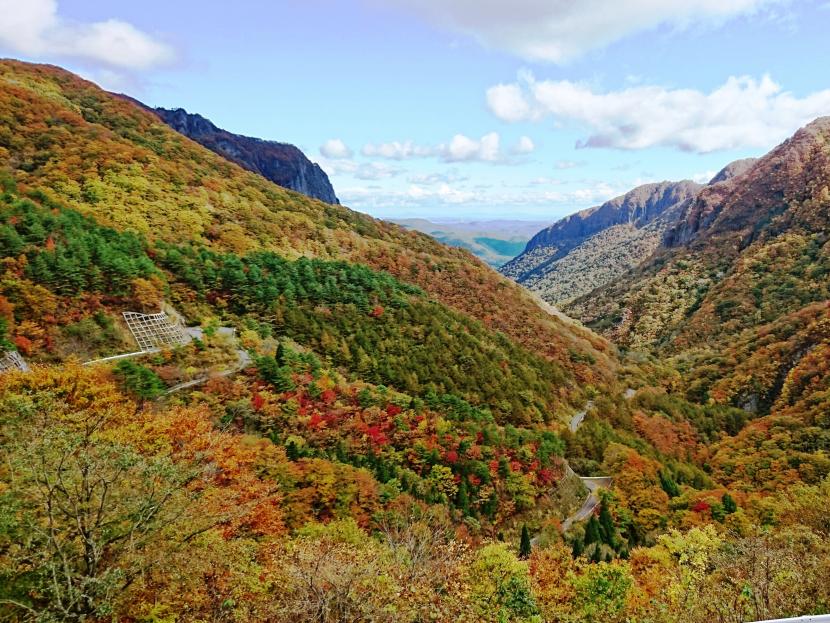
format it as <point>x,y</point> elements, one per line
<point>243,359</point>
<point>592,483</point>
<point>576,420</point>
<point>591,502</point>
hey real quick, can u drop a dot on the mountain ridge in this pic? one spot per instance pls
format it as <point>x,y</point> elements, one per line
<point>595,246</point>
<point>281,163</point>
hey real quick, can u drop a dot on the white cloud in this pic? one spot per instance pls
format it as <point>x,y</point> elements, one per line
<point>523,146</point>
<point>742,113</point>
<point>465,149</point>
<point>461,148</point>
<point>397,150</point>
<point>561,30</point>
<point>703,178</point>
<point>362,171</point>
<point>508,103</point>
<point>421,198</point>
<point>561,165</point>
<point>34,28</point>
<point>335,149</point>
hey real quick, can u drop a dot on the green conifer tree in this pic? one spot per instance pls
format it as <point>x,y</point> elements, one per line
<point>592,533</point>
<point>729,504</point>
<point>606,524</point>
<point>462,500</point>
<point>524,544</point>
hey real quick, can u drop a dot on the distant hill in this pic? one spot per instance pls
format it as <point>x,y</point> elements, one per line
<point>594,247</point>
<point>590,248</point>
<point>496,242</point>
<point>281,163</point>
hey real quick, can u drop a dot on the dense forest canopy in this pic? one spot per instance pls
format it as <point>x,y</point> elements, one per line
<point>365,425</point>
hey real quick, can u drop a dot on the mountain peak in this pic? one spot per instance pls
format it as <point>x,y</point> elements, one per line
<point>742,204</point>
<point>282,163</point>
<point>733,169</point>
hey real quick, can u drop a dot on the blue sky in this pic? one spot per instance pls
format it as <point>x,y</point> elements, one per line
<point>456,109</point>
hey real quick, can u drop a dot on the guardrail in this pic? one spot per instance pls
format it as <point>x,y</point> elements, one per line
<point>813,618</point>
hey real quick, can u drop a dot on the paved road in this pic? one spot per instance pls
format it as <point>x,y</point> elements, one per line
<point>243,359</point>
<point>576,420</point>
<point>593,484</point>
<point>591,502</point>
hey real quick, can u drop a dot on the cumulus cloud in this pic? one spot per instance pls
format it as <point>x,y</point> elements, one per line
<point>397,150</point>
<point>335,149</point>
<point>34,28</point>
<point>561,30</point>
<point>460,148</point>
<point>744,112</point>
<point>523,146</point>
<point>465,149</point>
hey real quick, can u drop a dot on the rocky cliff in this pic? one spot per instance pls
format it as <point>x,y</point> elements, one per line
<point>590,248</point>
<point>279,162</point>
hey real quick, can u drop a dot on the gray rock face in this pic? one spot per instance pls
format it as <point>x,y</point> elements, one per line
<point>281,163</point>
<point>595,247</point>
<point>637,208</point>
<point>733,169</point>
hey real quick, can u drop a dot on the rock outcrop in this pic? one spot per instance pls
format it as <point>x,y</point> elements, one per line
<point>281,163</point>
<point>588,249</point>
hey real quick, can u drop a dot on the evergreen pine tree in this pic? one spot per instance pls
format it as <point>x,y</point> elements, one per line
<point>668,484</point>
<point>280,355</point>
<point>524,544</point>
<point>729,505</point>
<point>592,533</point>
<point>606,524</point>
<point>462,500</point>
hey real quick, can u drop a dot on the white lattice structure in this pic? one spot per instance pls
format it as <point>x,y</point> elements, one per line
<point>12,360</point>
<point>153,331</point>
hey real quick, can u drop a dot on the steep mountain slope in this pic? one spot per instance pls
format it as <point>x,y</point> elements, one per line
<point>739,296</point>
<point>593,247</point>
<point>109,159</point>
<point>733,169</point>
<point>281,163</point>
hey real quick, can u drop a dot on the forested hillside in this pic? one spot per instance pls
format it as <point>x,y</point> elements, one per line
<point>112,160</point>
<point>361,424</point>
<point>597,246</point>
<point>593,247</point>
<point>739,299</point>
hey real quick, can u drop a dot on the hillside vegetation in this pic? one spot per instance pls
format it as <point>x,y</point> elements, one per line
<point>366,425</point>
<point>108,158</point>
<point>739,299</point>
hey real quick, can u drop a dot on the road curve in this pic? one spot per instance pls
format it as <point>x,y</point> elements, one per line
<point>593,484</point>
<point>591,502</point>
<point>576,420</point>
